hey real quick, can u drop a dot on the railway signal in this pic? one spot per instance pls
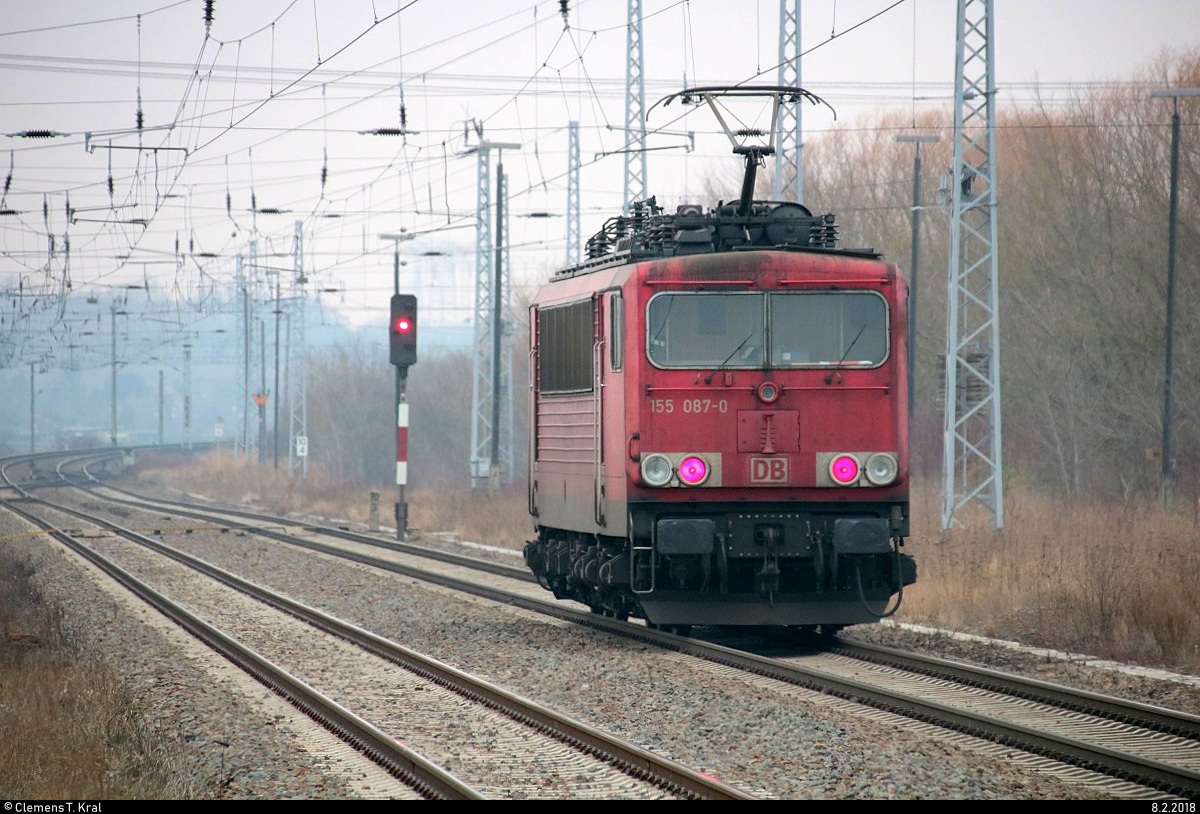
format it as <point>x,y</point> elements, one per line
<point>403,330</point>
<point>402,336</point>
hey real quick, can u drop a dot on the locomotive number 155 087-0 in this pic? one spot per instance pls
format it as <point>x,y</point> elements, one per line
<point>689,406</point>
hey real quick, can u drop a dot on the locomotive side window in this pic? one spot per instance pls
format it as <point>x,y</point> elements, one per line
<point>849,327</point>
<point>565,359</point>
<point>616,325</point>
<point>702,329</point>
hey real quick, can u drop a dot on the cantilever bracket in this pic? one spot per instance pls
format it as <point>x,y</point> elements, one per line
<point>91,148</point>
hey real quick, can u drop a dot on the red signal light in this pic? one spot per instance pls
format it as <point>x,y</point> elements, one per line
<point>403,330</point>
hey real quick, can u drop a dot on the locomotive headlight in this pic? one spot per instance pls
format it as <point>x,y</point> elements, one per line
<point>768,392</point>
<point>844,469</point>
<point>882,468</point>
<point>656,470</point>
<point>693,470</point>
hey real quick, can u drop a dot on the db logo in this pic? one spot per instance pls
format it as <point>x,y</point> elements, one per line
<point>768,470</point>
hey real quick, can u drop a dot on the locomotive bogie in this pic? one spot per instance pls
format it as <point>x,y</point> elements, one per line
<point>731,565</point>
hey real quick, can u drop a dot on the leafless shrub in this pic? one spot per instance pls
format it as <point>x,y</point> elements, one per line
<point>1103,578</point>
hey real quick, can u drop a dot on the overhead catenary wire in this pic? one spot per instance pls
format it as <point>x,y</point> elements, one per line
<point>423,164</point>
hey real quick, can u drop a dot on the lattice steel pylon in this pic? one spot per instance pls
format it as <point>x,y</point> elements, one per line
<point>972,468</point>
<point>635,111</point>
<point>789,155</point>
<point>573,194</point>
<point>489,415</point>
<point>241,370</point>
<point>247,310</point>
<point>506,350</point>
<point>297,365</point>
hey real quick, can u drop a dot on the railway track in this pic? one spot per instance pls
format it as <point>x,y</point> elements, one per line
<point>1143,751</point>
<point>533,737</point>
<point>423,778</point>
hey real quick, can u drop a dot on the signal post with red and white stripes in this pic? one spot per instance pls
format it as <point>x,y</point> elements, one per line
<point>401,455</point>
<point>403,352</point>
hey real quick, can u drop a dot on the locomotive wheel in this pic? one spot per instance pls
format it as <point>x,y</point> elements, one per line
<point>620,616</point>
<point>678,630</point>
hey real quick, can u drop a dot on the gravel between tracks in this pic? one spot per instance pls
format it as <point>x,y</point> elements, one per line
<point>771,742</point>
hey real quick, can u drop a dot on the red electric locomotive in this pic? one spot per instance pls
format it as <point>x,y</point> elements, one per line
<point>719,421</point>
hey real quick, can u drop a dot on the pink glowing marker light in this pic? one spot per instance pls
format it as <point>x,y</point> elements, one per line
<point>844,469</point>
<point>693,470</point>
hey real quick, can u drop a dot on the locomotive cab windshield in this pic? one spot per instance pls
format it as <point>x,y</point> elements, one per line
<point>766,330</point>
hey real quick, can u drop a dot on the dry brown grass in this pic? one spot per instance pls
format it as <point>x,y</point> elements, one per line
<point>500,519</point>
<point>229,478</point>
<point>68,729</point>
<point>1111,581</point>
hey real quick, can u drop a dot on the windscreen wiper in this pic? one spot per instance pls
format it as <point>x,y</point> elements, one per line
<point>708,379</point>
<point>850,347</point>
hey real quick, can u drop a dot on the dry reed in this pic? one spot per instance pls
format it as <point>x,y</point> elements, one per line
<point>1107,580</point>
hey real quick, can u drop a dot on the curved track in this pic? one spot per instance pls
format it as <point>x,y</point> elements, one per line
<point>632,773</point>
<point>1132,743</point>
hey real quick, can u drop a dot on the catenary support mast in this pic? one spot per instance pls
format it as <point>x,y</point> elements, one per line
<point>297,365</point>
<point>635,110</point>
<point>971,463</point>
<point>789,183</point>
<point>490,387</point>
<point>573,240</point>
